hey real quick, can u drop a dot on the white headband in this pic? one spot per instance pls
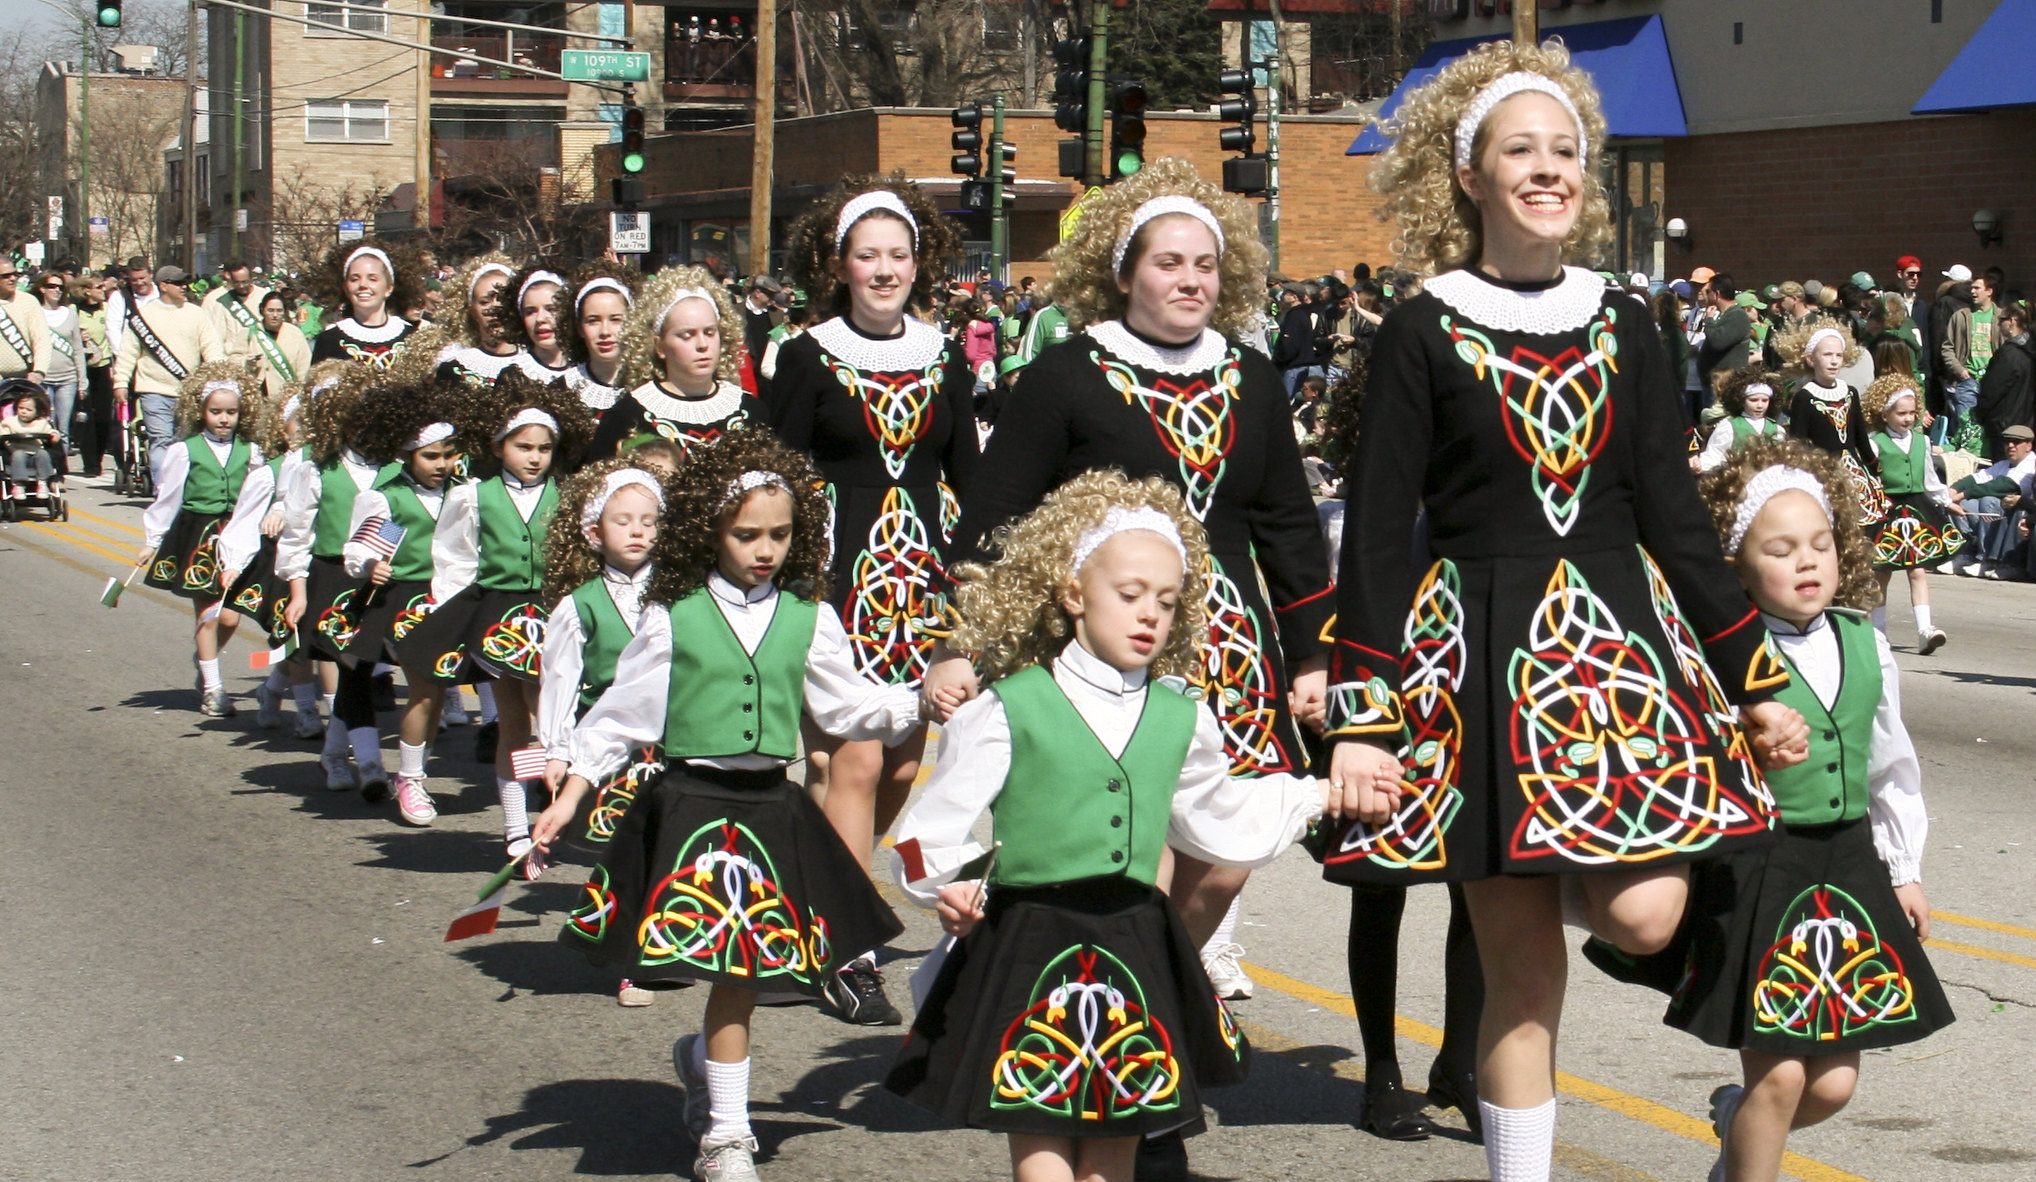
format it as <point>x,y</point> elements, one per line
<point>485,270</point>
<point>427,435</point>
<point>210,388</point>
<point>322,386</point>
<point>863,204</point>
<point>615,482</point>
<point>1898,395</point>
<point>603,284</point>
<point>1503,88</point>
<point>1810,345</point>
<point>1160,207</point>
<point>679,297</point>
<point>292,405</point>
<point>529,416</point>
<point>371,252</point>
<point>537,277</point>
<point>1758,388</point>
<point>749,482</point>
<point>1120,519</point>
<point>1766,485</point>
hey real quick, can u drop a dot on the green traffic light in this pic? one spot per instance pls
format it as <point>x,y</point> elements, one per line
<point>632,162</point>
<point>109,16</point>
<point>1128,163</point>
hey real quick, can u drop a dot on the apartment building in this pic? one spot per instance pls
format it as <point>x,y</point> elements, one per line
<point>134,119</point>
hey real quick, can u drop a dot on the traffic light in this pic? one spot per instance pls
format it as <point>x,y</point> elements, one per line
<point>1071,102</point>
<point>627,191</point>
<point>1246,173</point>
<point>1007,153</point>
<point>967,140</point>
<point>1127,130</point>
<point>632,139</point>
<point>109,13</point>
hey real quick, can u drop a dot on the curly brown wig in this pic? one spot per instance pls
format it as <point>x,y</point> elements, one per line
<point>394,412</point>
<point>191,398</point>
<point>508,320</point>
<point>814,253</point>
<point>1011,613</point>
<point>1730,385</point>
<point>460,327</point>
<point>328,282</point>
<point>570,561</point>
<point>698,508</point>
<point>1338,425</point>
<point>646,324</point>
<point>1723,487</point>
<point>564,302</point>
<point>330,391</point>
<point>1873,401</point>
<point>480,413</point>
<point>1438,226</point>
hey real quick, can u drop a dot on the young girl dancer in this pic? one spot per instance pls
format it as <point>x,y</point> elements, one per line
<point>525,316</point>
<point>1074,1015</point>
<point>1468,699</point>
<point>214,479</point>
<point>263,595</point>
<point>724,871</point>
<point>1746,395</point>
<point>679,338</point>
<point>884,404</point>
<point>1825,411</point>
<point>488,560</point>
<point>474,348</point>
<point>409,492</point>
<point>593,310</point>
<point>1917,533</point>
<point>1803,955</point>
<point>371,288</point>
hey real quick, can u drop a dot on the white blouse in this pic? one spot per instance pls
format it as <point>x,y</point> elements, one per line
<point>456,543</point>
<point>558,691</point>
<point>241,536</point>
<point>1247,821</point>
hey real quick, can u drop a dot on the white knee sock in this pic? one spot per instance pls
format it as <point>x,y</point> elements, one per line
<point>208,672</point>
<point>728,1100</point>
<point>1226,929</point>
<point>1519,1142</point>
<point>515,812</point>
<point>335,733</point>
<point>486,693</point>
<point>367,750</point>
<point>306,695</point>
<point>1922,614</point>
<point>1880,619</point>
<point>410,760</point>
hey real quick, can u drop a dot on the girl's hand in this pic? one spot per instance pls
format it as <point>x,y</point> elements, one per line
<point>273,523</point>
<point>378,572</point>
<point>559,813</point>
<point>147,552</point>
<point>1310,695</point>
<point>1368,778</point>
<point>554,776</point>
<point>943,679</point>
<point>1916,906</point>
<point>1779,736</point>
<point>1956,506</point>
<point>945,702</point>
<point>294,613</point>
<point>958,907</point>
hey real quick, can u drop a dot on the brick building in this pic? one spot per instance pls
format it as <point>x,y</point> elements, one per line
<point>134,118</point>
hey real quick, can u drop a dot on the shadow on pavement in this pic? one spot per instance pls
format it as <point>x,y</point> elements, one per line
<point>1296,1086</point>
<point>846,1084</point>
<point>620,1126</point>
<point>428,851</point>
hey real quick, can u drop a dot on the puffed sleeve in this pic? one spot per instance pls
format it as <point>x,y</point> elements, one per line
<point>300,514</point>
<point>176,469</point>
<point>456,543</point>
<point>1676,531</point>
<point>1286,531</point>
<point>558,690</point>
<point>795,390</point>
<point>1237,821</point>
<point>241,538</point>
<point>935,838</point>
<point>370,505</point>
<point>631,714</point>
<point>1718,448</point>
<point>844,703</point>
<point>1894,780</point>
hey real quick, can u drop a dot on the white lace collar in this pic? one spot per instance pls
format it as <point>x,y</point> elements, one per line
<point>354,459</point>
<point>389,329</point>
<point>1093,671</point>
<point>593,394</point>
<point>711,409</point>
<point>1823,393</point>
<point>1205,354</point>
<point>916,349</point>
<point>1572,303</point>
<point>538,370</point>
<point>725,590</point>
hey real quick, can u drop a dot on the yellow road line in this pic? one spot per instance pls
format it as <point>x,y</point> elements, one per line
<point>2014,958</point>
<point>96,571</point>
<point>59,533</point>
<point>1623,1103</point>
<point>94,517</point>
<point>1987,925</point>
<point>96,534</point>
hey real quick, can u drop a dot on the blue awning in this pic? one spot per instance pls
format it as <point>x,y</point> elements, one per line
<point>1992,71</point>
<point>1627,58</point>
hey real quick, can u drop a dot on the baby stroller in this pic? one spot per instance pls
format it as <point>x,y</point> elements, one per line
<point>18,495</point>
<point>131,475</point>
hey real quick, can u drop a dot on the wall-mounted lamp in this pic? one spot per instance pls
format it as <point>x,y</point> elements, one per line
<point>1987,224</point>
<point>1678,232</point>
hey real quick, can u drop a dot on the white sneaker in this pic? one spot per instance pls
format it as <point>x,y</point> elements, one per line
<point>455,709</point>
<point>338,772</point>
<point>268,707</point>
<point>1225,974</point>
<point>732,1160</point>
<point>1724,1106</point>
<point>1929,642</point>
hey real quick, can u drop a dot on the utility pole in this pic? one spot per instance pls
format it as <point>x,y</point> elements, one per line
<point>766,137</point>
<point>1000,226</point>
<point>239,114</point>
<point>1526,23</point>
<point>1093,171</point>
<point>420,206</point>
<point>85,146</point>
<point>190,140</point>
<point>1272,158</point>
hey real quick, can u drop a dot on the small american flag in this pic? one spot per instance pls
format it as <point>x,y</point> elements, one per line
<point>381,535</point>
<point>527,763</point>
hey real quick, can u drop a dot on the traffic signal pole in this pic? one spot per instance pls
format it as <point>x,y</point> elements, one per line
<point>1272,163</point>
<point>1093,170</point>
<point>1000,226</point>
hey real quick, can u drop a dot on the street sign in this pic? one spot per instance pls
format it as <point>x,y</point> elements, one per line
<point>601,65</point>
<point>629,232</point>
<point>1072,215</point>
<point>56,208</point>
<point>101,227</point>
<point>34,252</point>
<point>240,219</point>
<point>351,230</point>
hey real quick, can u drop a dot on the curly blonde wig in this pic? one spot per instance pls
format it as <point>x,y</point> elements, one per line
<point>1873,401</point>
<point>1791,341</point>
<point>191,399</point>
<point>1723,487</point>
<point>640,362</point>
<point>697,507</point>
<point>480,412</point>
<point>1438,226</point>
<point>277,427</point>
<point>508,320</point>
<point>564,302</point>
<point>1084,282</point>
<point>1011,614</point>
<point>814,252</point>
<point>570,560</point>
<point>328,282</point>
<point>458,326</point>
<point>1729,386</point>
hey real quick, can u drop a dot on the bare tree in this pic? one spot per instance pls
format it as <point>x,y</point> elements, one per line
<point>161,23</point>
<point>305,210</point>
<point>130,130</point>
<point>21,195</point>
<point>497,196</point>
<point>888,53</point>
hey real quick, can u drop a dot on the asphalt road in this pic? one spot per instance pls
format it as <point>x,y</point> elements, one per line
<point>211,968</point>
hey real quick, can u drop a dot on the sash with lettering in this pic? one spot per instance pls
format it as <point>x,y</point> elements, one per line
<point>270,349</point>
<point>154,344</point>
<point>11,333</point>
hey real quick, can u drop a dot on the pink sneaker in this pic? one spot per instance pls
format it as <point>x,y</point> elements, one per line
<point>413,803</point>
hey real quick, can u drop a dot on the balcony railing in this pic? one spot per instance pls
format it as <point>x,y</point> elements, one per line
<point>537,50</point>
<point>716,60</point>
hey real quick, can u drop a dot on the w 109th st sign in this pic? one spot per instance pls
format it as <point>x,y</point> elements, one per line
<point>597,65</point>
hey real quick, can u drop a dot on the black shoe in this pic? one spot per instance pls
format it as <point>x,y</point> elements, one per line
<point>1458,1090</point>
<point>1394,1113</point>
<point>375,791</point>
<point>856,996</point>
<point>385,693</point>
<point>1162,1159</point>
<point>484,741</point>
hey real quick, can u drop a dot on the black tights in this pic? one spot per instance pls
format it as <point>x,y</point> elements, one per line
<point>354,703</point>
<point>1374,958</point>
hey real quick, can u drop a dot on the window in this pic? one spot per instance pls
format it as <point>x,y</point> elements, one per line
<point>346,18</point>
<point>346,121</point>
<point>1001,24</point>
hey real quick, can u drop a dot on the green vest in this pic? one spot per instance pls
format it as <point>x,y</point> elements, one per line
<point>1743,429</point>
<point>606,634</point>
<point>724,701</point>
<point>1830,785</point>
<point>1070,811</point>
<point>212,487</point>
<point>336,493</point>
<point>1901,468</point>
<point>412,563</point>
<point>512,549</point>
